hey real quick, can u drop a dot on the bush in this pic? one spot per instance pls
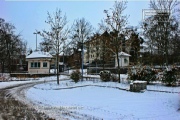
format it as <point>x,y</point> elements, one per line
<point>142,73</point>
<point>105,76</point>
<point>169,77</point>
<point>75,75</point>
<point>148,75</point>
<point>114,78</point>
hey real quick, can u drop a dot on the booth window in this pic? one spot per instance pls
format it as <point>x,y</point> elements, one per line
<point>44,64</point>
<point>35,64</point>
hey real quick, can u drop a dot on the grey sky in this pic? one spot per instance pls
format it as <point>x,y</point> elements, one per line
<point>30,16</point>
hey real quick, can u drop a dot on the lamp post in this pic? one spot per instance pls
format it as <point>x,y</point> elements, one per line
<point>82,52</point>
<point>36,38</point>
<point>82,59</point>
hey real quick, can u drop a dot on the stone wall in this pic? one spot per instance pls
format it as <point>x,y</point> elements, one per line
<point>137,86</point>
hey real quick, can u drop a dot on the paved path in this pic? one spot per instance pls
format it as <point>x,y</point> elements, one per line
<point>13,109</point>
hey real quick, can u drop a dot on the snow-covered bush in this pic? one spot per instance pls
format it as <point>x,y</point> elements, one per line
<point>142,73</point>
<point>75,75</point>
<point>149,74</point>
<point>105,75</point>
<point>169,76</point>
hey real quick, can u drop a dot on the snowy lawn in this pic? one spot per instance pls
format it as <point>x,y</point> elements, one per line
<point>104,102</point>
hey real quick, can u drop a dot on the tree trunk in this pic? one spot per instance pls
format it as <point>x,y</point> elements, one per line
<point>57,69</point>
<point>119,77</point>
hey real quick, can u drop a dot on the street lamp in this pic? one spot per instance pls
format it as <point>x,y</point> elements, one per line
<point>36,38</point>
<point>82,59</point>
<point>82,53</point>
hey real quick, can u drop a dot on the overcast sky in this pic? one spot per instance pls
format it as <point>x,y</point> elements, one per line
<point>29,16</point>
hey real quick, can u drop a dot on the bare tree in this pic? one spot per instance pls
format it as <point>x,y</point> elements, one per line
<point>161,28</point>
<point>46,45</point>
<point>115,23</point>
<point>81,31</point>
<point>56,35</point>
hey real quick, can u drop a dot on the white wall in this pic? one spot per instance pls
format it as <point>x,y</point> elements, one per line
<point>41,69</point>
<point>122,62</point>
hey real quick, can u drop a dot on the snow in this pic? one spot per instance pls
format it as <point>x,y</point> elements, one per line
<point>39,54</point>
<point>137,81</point>
<point>123,54</point>
<point>103,101</point>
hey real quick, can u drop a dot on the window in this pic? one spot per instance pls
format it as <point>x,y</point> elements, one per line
<point>32,64</point>
<point>125,60</point>
<point>44,64</point>
<point>35,64</point>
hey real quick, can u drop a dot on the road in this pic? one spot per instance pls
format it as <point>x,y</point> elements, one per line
<point>13,108</point>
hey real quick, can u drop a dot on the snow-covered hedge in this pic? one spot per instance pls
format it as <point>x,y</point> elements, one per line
<point>149,74</point>
<point>145,73</point>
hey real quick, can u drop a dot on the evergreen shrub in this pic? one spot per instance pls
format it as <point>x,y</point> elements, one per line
<point>105,75</point>
<point>75,75</point>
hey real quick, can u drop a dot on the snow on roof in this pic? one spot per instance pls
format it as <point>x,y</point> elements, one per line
<point>137,81</point>
<point>61,63</point>
<point>123,54</point>
<point>39,54</point>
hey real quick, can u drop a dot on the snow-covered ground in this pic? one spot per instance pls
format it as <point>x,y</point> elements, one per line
<point>105,102</point>
<point>101,100</point>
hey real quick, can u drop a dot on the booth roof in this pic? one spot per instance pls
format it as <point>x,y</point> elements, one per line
<point>38,54</point>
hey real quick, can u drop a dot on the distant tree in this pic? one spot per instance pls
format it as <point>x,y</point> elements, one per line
<point>11,45</point>
<point>81,31</point>
<point>175,48</point>
<point>46,45</point>
<point>134,41</point>
<point>161,28</point>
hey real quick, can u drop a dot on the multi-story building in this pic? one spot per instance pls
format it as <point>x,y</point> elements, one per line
<point>97,50</point>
